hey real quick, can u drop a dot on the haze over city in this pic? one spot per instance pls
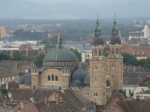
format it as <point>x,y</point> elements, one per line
<point>72,9</point>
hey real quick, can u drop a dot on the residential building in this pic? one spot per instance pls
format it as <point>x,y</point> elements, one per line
<point>136,35</point>
<point>2,32</point>
<point>146,31</point>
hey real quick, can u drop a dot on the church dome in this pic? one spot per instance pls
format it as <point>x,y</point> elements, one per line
<point>87,80</point>
<point>26,79</point>
<point>78,77</point>
<point>60,54</point>
<point>115,40</point>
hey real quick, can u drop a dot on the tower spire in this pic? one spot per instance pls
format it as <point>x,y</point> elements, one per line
<point>97,39</point>
<point>60,43</point>
<point>115,22</point>
<point>58,34</point>
<point>97,30</point>
<point>114,30</point>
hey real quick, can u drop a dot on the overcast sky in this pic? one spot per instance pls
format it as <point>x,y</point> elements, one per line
<point>72,9</point>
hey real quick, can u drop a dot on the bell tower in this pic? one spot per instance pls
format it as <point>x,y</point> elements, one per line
<point>97,68</point>
<point>115,59</point>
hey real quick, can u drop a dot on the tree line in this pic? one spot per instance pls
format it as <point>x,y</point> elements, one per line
<point>131,60</point>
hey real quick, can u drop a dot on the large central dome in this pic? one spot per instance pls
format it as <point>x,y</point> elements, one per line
<point>60,54</point>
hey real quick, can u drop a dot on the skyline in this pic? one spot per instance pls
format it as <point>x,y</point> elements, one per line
<point>75,9</point>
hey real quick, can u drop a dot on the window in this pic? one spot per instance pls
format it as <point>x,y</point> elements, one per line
<point>113,65</point>
<point>52,77</point>
<point>95,78</point>
<point>95,52</point>
<point>95,94</point>
<point>129,92</point>
<point>49,78</point>
<point>117,51</point>
<point>100,53</point>
<point>56,78</point>
<point>95,67</point>
<point>107,83</point>
<point>112,75</point>
<point>112,50</point>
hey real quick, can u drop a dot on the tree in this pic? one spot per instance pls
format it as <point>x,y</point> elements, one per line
<point>122,92</point>
<point>4,56</point>
<point>16,56</point>
<point>130,60</point>
<point>38,60</point>
<point>78,54</point>
<point>3,90</point>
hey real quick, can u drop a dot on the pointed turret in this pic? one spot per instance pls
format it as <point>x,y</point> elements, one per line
<point>115,39</point>
<point>97,29</point>
<point>97,39</point>
<point>58,35</point>
<point>60,43</point>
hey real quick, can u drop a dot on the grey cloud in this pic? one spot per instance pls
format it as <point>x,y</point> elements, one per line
<point>72,8</point>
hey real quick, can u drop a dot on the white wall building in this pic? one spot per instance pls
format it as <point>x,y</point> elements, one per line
<point>136,35</point>
<point>146,31</point>
<point>135,89</point>
<point>86,55</point>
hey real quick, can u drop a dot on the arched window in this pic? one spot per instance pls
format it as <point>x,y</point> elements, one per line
<point>95,68</point>
<point>52,77</point>
<point>107,83</point>
<point>100,53</point>
<point>117,50</point>
<point>113,65</point>
<point>95,78</point>
<point>95,52</point>
<point>112,50</point>
<point>49,78</point>
<point>56,78</point>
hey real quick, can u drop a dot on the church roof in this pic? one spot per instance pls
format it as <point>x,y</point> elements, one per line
<point>79,77</point>
<point>60,54</point>
<point>115,39</point>
<point>26,79</point>
<point>97,39</point>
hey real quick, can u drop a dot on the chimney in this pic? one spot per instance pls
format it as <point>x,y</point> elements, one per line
<point>58,35</point>
<point>6,85</point>
<point>32,99</point>
<point>9,95</point>
<point>21,105</point>
<point>57,97</point>
<point>45,100</point>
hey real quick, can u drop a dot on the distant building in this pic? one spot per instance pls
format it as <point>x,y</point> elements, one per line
<point>146,31</point>
<point>2,32</point>
<point>136,35</point>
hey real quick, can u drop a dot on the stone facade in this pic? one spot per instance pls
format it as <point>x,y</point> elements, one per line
<point>106,72</point>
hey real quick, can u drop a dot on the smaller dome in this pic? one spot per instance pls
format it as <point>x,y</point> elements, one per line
<point>98,41</point>
<point>78,75</point>
<point>87,80</point>
<point>115,40</point>
<point>76,83</point>
<point>26,79</point>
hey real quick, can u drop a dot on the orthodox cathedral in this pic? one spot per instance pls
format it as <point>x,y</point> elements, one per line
<point>61,69</point>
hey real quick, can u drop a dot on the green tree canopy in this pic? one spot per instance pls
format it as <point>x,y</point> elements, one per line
<point>129,60</point>
<point>3,90</point>
<point>4,56</point>
<point>38,60</point>
<point>78,54</point>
